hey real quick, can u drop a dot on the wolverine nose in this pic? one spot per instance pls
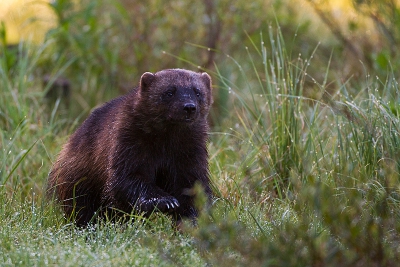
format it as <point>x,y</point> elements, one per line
<point>189,108</point>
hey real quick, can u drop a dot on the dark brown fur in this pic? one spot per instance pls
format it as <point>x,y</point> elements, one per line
<point>141,152</point>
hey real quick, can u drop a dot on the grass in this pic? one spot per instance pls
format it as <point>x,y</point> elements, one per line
<point>299,180</point>
<point>35,238</point>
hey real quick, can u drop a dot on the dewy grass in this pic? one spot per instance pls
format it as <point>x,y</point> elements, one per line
<point>274,111</point>
<point>336,161</point>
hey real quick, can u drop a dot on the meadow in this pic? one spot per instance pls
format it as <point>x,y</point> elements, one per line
<point>304,146</point>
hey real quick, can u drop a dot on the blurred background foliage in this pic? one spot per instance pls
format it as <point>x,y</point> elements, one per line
<point>104,46</point>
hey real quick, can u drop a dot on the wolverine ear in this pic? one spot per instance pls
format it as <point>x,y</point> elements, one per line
<point>146,79</point>
<point>206,79</point>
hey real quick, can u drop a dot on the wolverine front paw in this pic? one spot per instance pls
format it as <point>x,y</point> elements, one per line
<point>163,204</point>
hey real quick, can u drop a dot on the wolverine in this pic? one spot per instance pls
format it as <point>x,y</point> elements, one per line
<point>139,153</point>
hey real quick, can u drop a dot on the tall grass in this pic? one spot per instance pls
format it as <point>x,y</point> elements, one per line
<point>319,177</point>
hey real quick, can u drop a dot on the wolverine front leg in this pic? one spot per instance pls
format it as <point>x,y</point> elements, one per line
<point>186,191</point>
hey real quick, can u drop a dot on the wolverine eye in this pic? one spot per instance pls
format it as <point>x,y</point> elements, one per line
<point>197,92</point>
<point>170,92</point>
